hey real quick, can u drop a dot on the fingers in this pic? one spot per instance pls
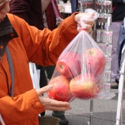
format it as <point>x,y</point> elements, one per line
<point>90,22</point>
<point>57,108</point>
<point>48,101</point>
<point>84,17</point>
<point>85,21</point>
<point>44,89</point>
<point>58,103</point>
<point>51,104</point>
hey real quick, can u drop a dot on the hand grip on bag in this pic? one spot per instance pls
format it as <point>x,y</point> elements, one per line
<point>92,16</point>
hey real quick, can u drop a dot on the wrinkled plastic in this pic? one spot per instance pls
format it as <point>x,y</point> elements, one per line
<point>79,70</point>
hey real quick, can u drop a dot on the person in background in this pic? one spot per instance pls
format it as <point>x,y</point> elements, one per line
<point>65,1</point>
<point>26,44</point>
<point>118,15</point>
<point>74,5</point>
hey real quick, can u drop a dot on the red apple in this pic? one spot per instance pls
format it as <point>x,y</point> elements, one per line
<point>94,61</point>
<point>60,90</point>
<point>84,86</point>
<point>69,64</point>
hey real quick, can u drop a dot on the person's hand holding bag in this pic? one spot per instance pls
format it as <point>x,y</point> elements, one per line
<point>88,23</point>
<point>86,20</point>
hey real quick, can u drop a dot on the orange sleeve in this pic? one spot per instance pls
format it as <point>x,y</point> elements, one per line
<point>20,107</point>
<point>44,47</point>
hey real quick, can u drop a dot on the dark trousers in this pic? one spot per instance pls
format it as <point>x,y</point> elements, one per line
<point>45,74</point>
<point>74,5</point>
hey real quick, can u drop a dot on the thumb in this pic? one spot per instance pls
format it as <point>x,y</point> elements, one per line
<point>44,89</point>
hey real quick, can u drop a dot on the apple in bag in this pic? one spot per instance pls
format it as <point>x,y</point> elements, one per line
<point>94,61</point>
<point>60,90</point>
<point>84,86</point>
<point>69,64</point>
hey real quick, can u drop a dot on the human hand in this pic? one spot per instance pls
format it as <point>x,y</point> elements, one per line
<point>51,104</point>
<point>4,8</point>
<point>85,21</point>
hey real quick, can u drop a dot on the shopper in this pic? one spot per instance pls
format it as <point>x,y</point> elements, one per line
<point>38,46</point>
<point>74,5</point>
<point>118,15</point>
<point>41,14</point>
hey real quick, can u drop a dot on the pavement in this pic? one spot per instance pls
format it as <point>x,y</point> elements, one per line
<point>104,111</point>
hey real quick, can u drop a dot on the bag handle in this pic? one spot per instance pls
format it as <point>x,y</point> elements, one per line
<point>11,71</point>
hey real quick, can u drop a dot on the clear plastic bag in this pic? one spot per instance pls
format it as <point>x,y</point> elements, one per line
<point>79,70</point>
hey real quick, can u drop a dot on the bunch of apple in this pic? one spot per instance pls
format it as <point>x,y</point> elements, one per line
<point>79,75</point>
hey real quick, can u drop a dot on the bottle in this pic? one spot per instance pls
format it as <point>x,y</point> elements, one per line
<point>107,32</point>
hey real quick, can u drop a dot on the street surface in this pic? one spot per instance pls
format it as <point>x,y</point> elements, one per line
<point>104,112</point>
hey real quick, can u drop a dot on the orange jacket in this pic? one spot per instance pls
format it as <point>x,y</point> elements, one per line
<point>42,47</point>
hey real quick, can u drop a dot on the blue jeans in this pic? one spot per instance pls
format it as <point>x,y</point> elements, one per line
<point>115,50</point>
<point>121,42</point>
<point>74,5</point>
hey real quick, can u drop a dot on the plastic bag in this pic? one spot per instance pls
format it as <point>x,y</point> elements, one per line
<point>79,69</point>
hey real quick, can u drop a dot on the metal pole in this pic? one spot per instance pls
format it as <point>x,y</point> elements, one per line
<point>90,122</point>
<point>120,94</point>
